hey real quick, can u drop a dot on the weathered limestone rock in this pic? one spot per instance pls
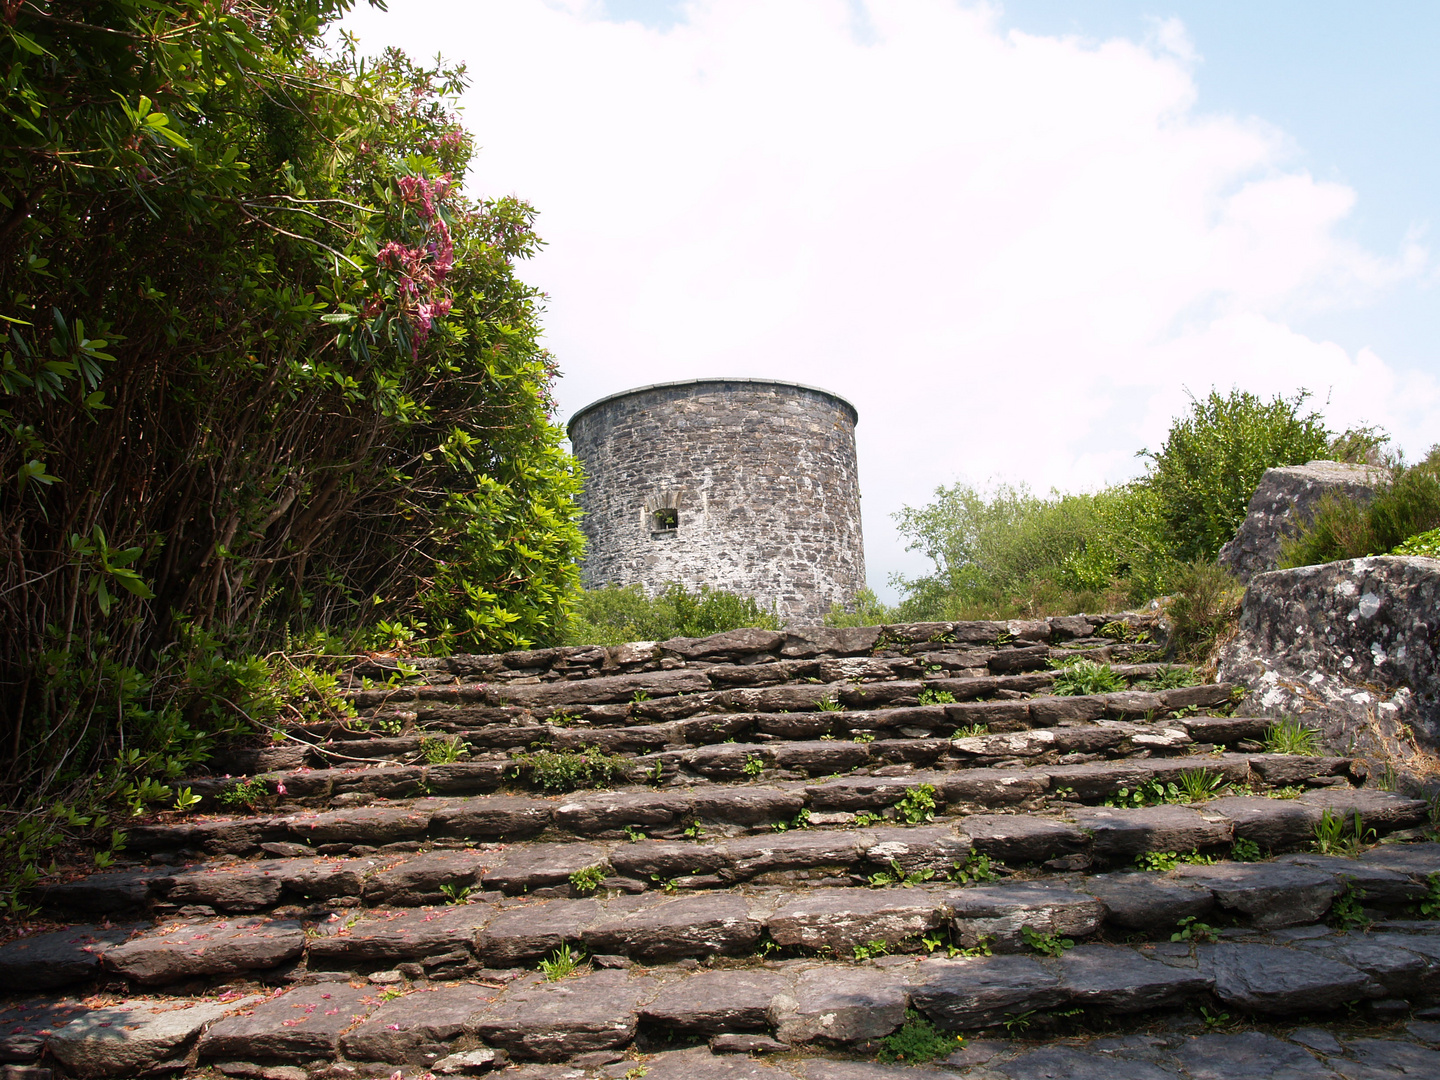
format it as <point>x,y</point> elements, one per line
<point>843,1004</point>
<point>391,936</point>
<point>719,1001</point>
<point>1123,832</point>
<point>554,1021</point>
<point>1284,502</point>
<point>45,961</point>
<point>132,1037</point>
<point>840,918</point>
<point>525,934</point>
<point>415,1028</point>
<point>301,1025</point>
<point>189,947</point>
<point>1352,648</point>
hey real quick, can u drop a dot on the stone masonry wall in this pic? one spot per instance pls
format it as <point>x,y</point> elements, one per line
<point>761,477</point>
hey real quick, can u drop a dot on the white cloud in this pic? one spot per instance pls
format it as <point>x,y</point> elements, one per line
<point>1013,253</point>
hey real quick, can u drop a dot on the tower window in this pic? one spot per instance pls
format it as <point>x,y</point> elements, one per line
<point>666,520</point>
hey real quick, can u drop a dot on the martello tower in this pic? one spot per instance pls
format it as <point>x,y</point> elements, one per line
<point>746,485</point>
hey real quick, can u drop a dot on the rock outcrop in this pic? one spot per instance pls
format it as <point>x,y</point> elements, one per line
<point>1351,647</point>
<point>1285,500</point>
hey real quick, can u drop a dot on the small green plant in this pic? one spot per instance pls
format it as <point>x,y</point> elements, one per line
<point>633,834</point>
<point>1170,678</point>
<point>753,766</point>
<point>976,868</point>
<point>390,993</point>
<point>970,731</point>
<point>1289,736</point>
<point>568,770</point>
<point>639,697</point>
<point>1147,793</point>
<point>1244,850</point>
<point>1050,944</point>
<point>693,831</point>
<point>799,821</point>
<point>1020,1022</point>
<point>1192,931</point>
<point>1198,785</point>
<point>865,818</point>
<point>1158,861</point>
<point>1083,676</point>
<point>1347,913</point>
<point>863,737</point>
<point>587,879</point>
<point>871,949</point>
<point>1288,791</point>
<point>917,804</point>
<point>667,885</point>
<point>917,1041</point>
<point>936,697</point>
<point>1332,837</point>
<point>656,775</point>
<point>637,1072</point>
<point>1430,905</point>
<point>186,800</point>
<point>1389,779</point>
<point>896,875</point>
<point>562,962</point>
<point>1213,1020</point>
<point>981,947</point>
<point>442,751</point>
<point>829,704</point>
<point>456,894</point>
<point>246,793</point>
<point>1063,792</point>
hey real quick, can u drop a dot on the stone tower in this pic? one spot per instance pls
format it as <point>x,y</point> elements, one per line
<point>746,485</point>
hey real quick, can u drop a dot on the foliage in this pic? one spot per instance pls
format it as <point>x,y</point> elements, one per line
<point>917,1041</point>
<point>1198,785</point>
<point>976,869</point>
<point>456,894</point>
<point>1425,543</point>
<point>970,731</point>
<point>1212,461</point>
<point>614,615</point>
<point>870,949</point>
<point>936,697</point>
<point>1337,834</point>
<point>1191,930</point>
<point>1245,850</point>
<point>1347,913</point>
<point>1087,677</point>
<point>1204,609</point>
<point>248,793</point>
<point>1145,793</point>
<point>829,704</point>
<point>1164,861</point>
<point>587,879</point>
<point>265,369</point>
<point>1170,678</point>
<point>865,610</point>
<point>897,875</point>
<point>1404,509</point>
<point>562,962</point>
<point>443,751</point>
<point>753,766</point>
<point>917,804</point>
<point>1051,944</point>
<point>1430,906</point>
<point>567,770</point>
<point>1289,736</point>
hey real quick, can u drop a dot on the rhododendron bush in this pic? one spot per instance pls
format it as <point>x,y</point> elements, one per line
<point>266,366</point>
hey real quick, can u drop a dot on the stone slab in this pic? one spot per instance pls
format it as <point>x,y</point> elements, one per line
<point>553,1021</point>
<point>414,1029</point>
<point>701,925</point>
<point>710,1002</point>
<point>839,919</point>
<point>187,948</point>
<point>131,1037</point>
<point>299,1025</point>
<point>47,961</point>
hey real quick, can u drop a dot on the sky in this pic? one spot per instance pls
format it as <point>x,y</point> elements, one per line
<point>1016,236</point>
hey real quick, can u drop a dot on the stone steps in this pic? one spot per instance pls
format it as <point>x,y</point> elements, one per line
<point>769,872</point>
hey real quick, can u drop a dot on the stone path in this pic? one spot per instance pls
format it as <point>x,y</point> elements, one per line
<point>784,849</point>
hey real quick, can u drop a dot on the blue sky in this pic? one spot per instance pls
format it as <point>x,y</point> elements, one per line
<point>1015,236</point>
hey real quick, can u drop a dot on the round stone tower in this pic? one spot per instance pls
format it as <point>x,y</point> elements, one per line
<point>746,485</point>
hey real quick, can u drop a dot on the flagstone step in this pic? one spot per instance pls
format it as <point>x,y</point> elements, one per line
<point>493,930</point>
<point>794,1003</point>
<point>1083,838</point>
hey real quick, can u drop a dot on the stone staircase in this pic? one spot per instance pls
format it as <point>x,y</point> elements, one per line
<point>759,854</point>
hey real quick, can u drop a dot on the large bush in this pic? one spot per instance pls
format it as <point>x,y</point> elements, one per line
<point>1013,553</point>
<point>266,369</point>
<point>615,614</point>
<point>1406,506</point>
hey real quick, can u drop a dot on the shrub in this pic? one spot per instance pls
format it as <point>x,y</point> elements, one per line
<point>1426,543</point>
<point>1213,459</point>
<point>1403,509</point>
<point>1204,610</point>
<point>865,610</point>
<point>616,614</point>
<point>1087,677</point>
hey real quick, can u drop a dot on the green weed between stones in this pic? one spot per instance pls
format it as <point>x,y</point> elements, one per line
<point>443,751</point>
<point>917,804</point>
<point>1336,834</point>
<point>1048,943</point>
<point>918,1041</point>
<point>1163,861</point>
<point>562,962</point>
<point>1346,912</point>
<point>456,894</point>
<point>1194,932</point>
<point>936,697</point>
<point>587,879</point>
<point>970,731</point>
<point>1170,678</point>
<point>567,770</point>
<point>896,875</point>
<point>1289,736</point>
<point>1244,850</point>
<point>975,869</point>
<point>1430,906</point>
<point>246,793</point>
<point>1083,676</point>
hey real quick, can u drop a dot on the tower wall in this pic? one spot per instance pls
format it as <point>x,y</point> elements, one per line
<point>740,484</point>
